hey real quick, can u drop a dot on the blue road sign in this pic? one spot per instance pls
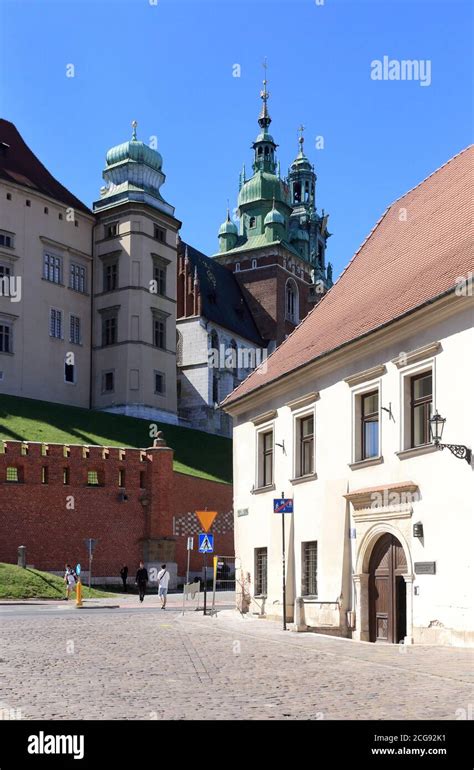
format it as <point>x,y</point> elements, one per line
<point>78,569</point>
<point>206,543</point>
<point>282,505</point>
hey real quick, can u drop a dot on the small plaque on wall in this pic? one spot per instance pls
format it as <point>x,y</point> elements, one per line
<point>425,568</point>
<point>243,512</point>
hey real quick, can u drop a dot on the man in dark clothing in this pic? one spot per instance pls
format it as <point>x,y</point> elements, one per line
<point>124,576</point>
<point>141,580</point>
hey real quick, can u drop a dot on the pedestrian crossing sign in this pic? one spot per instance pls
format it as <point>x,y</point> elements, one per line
<point>206,543</point>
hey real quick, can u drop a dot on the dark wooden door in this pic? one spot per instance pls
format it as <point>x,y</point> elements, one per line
<point>387,603</point>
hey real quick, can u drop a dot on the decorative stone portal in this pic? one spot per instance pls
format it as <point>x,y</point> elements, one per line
<point>383,577</point>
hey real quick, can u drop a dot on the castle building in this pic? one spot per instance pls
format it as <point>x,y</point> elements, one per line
<point>106,308</point>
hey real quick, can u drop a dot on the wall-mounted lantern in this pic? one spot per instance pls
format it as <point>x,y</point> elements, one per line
<point>418,529</point>
<point>436,430</point>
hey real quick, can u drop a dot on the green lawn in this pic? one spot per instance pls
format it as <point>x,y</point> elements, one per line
<point>195,453</point>
<point>19,583</point>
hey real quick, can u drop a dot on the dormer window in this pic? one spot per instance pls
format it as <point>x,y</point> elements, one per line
<point>252,222</point>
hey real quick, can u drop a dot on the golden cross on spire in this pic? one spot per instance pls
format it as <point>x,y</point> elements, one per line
<point>301,137</point>
<point>264,93</point>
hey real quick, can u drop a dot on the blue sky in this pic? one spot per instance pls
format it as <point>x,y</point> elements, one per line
<point>170,66</point>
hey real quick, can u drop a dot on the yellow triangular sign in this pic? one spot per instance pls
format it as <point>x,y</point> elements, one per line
<point>206,518</point>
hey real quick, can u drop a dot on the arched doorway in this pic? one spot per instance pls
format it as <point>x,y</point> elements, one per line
<point>387,591</point>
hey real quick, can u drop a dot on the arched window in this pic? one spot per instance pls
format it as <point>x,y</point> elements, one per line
<point>252,222</point>
<point>213,354</point>
<point>254,263</point>
<point>260,150</point>
<point>237,267</point>
<point>266,150</point>
<point>291,301</point>
<point>297,192</point>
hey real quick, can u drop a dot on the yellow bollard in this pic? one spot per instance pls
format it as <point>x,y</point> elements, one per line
<point>79,594</point>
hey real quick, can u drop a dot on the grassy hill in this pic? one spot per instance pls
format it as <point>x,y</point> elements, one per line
<point>19,583</point>
<point>195,453</point>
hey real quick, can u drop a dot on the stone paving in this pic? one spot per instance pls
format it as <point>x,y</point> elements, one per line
<point>148,664</point>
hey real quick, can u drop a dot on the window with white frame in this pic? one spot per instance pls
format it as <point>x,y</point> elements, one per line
<point>304,443</point>
<point>77,278</point>
<point>366,427</point>
<point>52,268</point>
<point>309,568</point>
<point>159,383</point>
<point>5,271</point>
<point>56,323</point>
<point>265,452</point>
<point>69,373</point>
<point>75,329</point>
<point>7,239</point>
<point>6,337</point>
<point>421,408</point>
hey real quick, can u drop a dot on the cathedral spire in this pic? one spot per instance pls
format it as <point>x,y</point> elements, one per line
<point>264,118</point>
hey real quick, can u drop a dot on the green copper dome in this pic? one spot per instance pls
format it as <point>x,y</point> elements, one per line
<point>274,217</point>
<point>134,150</point>
<point>228,227</point>
<point>263,186</point>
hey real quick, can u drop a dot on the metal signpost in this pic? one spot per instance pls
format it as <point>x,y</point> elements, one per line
<point>91,544</point>
<point>206,545</point>
<point>189,548</point>
<point>206,519</point>
<point>283,505</point>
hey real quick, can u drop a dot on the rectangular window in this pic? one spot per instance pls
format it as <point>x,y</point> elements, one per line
<point>260,572</point>
<point>306,446</point>
<point>56,323</point>
<point>111,230</point>
<point>159,383</point>
<point>265,459</point>
<point>159,275</point>
<point>421,408</point>
<point>108,382</point>
<point>6,338</point>
<point>5,272</point>
<point>159,234</point>
<point>370,425</point>
<point>109,330</point>
<point>44,474</point>
<point>75,329</point>
<point>121,479</point>
<point>12,474</point>
<point>142,479</point>
<point>92,478</point>
<point>111,276</point>
<point>77,278</point>
<point>52,268</point>
<point>69,373</point>
<point>309,571</point>
<point>159,333</point>
<point>7,239</point>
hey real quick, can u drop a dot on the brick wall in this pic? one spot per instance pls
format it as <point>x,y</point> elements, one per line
<point>52,508</point>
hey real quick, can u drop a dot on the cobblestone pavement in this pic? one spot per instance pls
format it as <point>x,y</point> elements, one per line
<point>146,664</point>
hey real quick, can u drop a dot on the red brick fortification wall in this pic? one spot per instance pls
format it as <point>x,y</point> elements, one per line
<point>52,508</point>
<point>193,494</point>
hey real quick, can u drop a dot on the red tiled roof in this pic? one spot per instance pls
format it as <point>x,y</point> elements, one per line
<point>20,165</point>
<point>399,267</point>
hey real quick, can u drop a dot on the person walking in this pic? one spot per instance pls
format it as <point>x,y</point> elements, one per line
<point>124,576</point>
<point>70,579</point>
<point>163,581</point>
<point>141,580</point>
